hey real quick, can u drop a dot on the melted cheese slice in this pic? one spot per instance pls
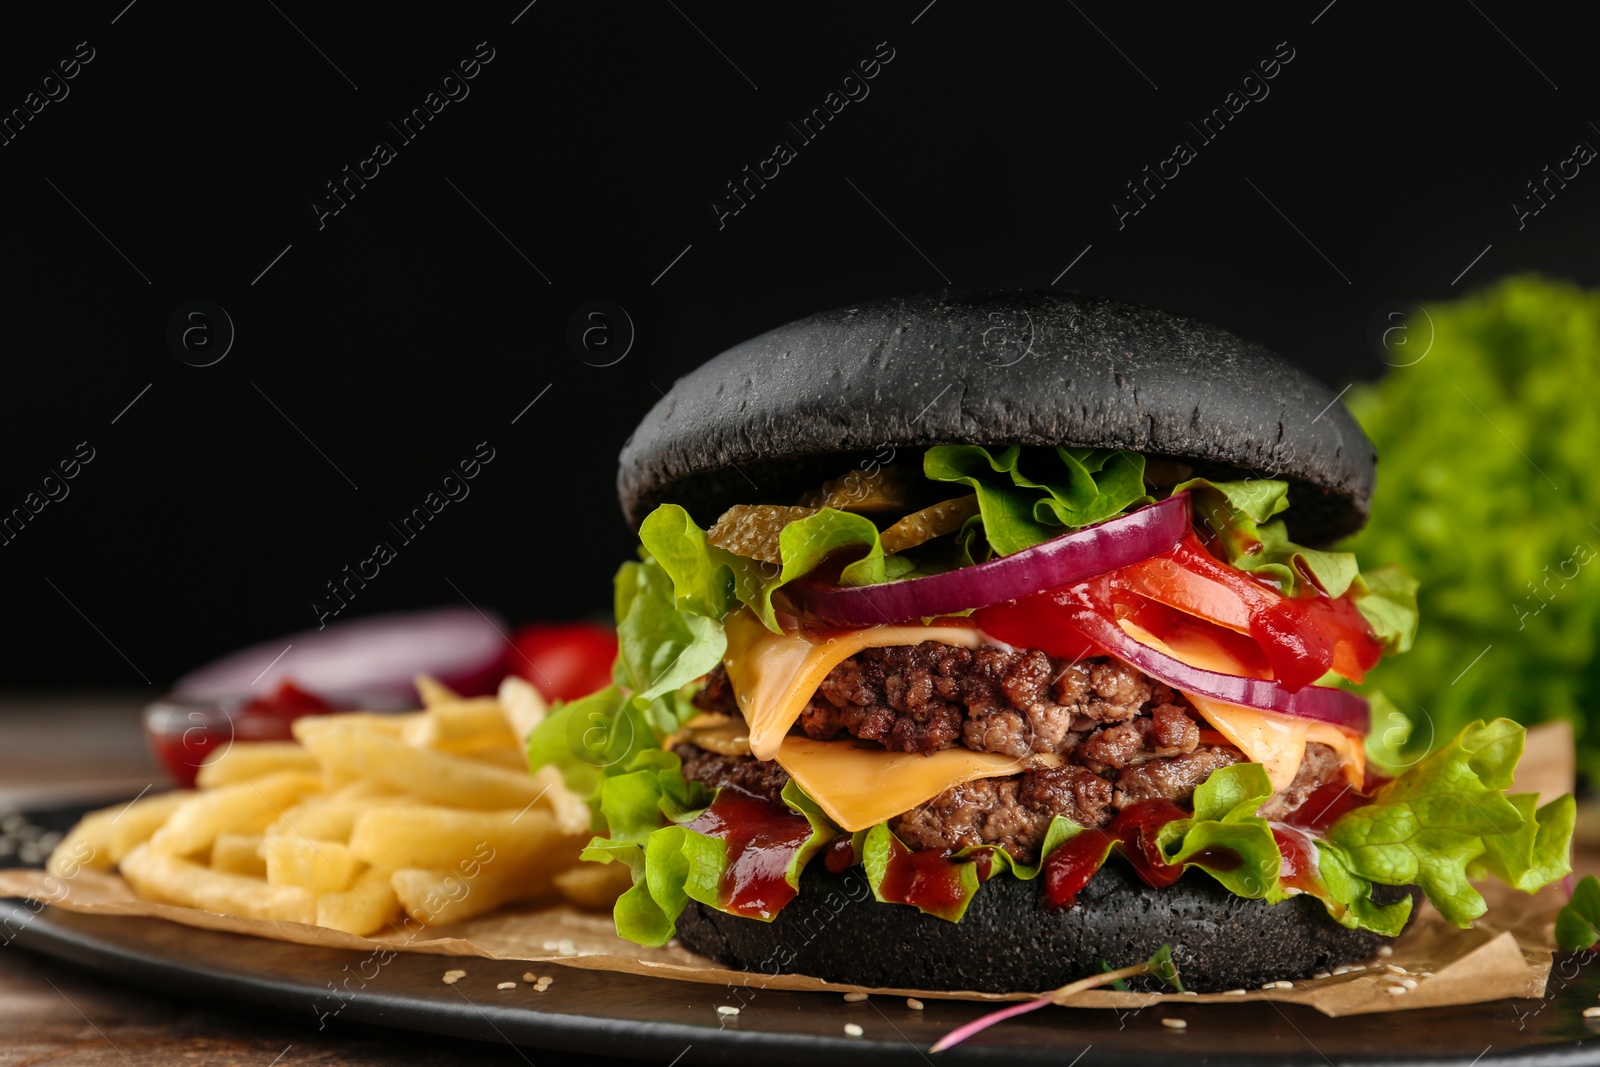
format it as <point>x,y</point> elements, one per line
<point>860,787</point>
<point>1277,742</point>
<point>775,675</point>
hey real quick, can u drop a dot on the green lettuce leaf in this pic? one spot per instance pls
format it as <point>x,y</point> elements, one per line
<point>672,864</point>
<point>1447,814</point>
<point>1029,496</point>
<point>1578,921</point>
<point>1349,896</point>
<point>1225,819</point>
<point>1239,516</point>
<point>591,738</point>
<point>805,543</point>
<point>702,579</point>
<point>662,643</point>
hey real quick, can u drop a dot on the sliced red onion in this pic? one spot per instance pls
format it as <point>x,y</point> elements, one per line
<point>375,657</point>
<point>1340,707</point>
<point>1072,557</point>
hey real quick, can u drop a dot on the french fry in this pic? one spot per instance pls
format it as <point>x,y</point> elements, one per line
<point>329,818</point>
<point>364,789</point>
<point>253,759</point>
<point>477,885</point>
<point>246,808</point>
<point>156,875</point>
<point>523,705</point>
<point>86,845</point>
<point>571,810</point>
<point>103,837</point>
<point>595,886</point>
<point>440,837</point>
<point>432,691</point>
<point>321,866</point>
<point>366,909</point>
<point>392,725</point>
<point>512,759</point>
<point>133,824</point>
<point>238,854</point>
<point>360,752</point>
<point>461,727</point>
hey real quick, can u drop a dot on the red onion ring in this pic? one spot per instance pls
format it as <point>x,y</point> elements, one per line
<point>375,657</point>
<point>1340,707</point>
<point>1072,557</point>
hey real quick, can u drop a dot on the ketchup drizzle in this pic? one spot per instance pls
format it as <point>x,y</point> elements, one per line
<point>1068,869</point>
<point>762,838</point>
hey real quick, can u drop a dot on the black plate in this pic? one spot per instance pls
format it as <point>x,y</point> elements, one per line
<point>601,1013</point>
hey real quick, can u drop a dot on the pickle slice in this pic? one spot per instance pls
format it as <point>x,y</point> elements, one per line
<point>945,517</point>
<point>751,530</point>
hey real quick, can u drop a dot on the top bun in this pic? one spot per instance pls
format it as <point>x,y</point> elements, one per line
<point>780,413</point>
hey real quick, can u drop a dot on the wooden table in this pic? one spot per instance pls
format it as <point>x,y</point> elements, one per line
<point>58,749</point>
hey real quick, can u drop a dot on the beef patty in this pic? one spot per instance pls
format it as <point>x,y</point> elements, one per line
<point>1014,702</point>
<point>1124,738</point>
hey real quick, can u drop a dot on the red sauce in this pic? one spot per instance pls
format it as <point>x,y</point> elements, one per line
<point>1069,867</point>
<point>183,753</point>
<point>1325,806</point>
<point>929,879</point>
<point>762,838</point>
<point>185,735</point>
<point>840,856</point>
<point>289,701</point>
<point>1299,870</point>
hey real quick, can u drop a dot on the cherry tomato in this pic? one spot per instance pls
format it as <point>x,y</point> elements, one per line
<point>564,661</point>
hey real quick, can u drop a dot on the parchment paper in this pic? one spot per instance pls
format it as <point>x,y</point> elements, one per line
<point>1507,954</point>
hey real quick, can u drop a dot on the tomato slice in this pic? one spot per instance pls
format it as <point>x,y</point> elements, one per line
<point>1189,599</point>
<point>1303,637</point>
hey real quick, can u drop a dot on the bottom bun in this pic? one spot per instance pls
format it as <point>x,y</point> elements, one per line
<point>1011,941</point>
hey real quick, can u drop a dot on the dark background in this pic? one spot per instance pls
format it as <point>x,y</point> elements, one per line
<point>380,349</point>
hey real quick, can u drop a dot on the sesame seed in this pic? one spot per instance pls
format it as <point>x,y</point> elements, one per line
<point>452,977</point>
<point>1386,950</point>
<point>727,1009</point>
<point>1591,1013</point>
<point>1392,969</point>
<point>527,976</point>
<point>1409,983</point>
<point>1190,993</point>
<point>1321,974</point>
<point>1292,892</point>
<point>506,985</point>
<point>1396,990</point>
<point>1234,992</point>
<point>913,1003</point>
<point>546,979</point>
<point>852,1030</point>
<point>1270,985</point>
<point>1283,985</point>
<point>1425,974</point>
<point>1174,1024</point>
<point>854,998</point>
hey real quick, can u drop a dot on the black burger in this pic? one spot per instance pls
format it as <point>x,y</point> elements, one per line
<point>974,642</point>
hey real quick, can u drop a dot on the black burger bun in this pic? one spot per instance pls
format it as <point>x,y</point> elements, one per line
<point>781,413</point>
<point>1011,941</point>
